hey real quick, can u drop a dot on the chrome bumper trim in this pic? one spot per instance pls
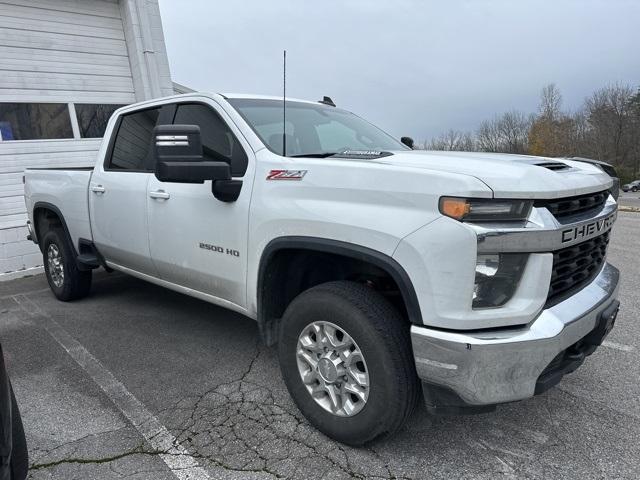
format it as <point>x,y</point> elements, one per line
<point>496,366</point>
<point>544,233</point>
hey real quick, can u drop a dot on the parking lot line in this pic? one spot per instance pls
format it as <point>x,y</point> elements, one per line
<point>181,463</point>
<point>617,346</point>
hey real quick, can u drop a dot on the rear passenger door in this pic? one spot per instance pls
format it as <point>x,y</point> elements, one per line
<point>196,240</point>
<point>118,191</point>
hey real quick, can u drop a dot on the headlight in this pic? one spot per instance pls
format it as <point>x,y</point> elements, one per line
<point>497,277</point>
<point>485,209</point>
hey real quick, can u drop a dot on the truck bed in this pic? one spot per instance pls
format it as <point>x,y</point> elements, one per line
<point>65,189</point>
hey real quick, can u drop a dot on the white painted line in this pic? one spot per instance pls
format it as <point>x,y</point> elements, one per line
<point>177,458</point>
<point>435,363</point>
<point>617,346</point>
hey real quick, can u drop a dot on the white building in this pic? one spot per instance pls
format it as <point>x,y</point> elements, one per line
<point>66,65</point>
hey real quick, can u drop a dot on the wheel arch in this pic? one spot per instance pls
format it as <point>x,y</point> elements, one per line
<point>270,304</point>
<point>45,211</point>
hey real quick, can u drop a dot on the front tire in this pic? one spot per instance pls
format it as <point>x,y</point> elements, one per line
<point>66,280</point>
<point>346,358</point>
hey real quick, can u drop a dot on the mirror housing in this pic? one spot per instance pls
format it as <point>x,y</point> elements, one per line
<point>178,156</point>
<point>408,141</point>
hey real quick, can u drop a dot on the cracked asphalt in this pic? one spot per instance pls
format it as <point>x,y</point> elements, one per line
<point>202,373</point>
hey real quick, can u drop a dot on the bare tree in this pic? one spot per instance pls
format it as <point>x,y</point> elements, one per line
<point>609,113</point>
<point>453,140</point>
<point>607,127</point>
<point>550,102</point>
<point>507,133</point>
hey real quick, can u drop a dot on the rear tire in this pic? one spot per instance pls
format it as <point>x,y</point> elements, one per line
<point>66,281</point>
<point>347,312</point>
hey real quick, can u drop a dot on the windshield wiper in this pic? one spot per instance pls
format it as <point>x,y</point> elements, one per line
<point>314,155</point>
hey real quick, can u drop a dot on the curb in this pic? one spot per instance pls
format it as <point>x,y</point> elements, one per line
<point>622,208</point>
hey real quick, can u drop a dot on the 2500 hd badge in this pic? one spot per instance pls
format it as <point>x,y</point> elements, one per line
<point>587,230</point>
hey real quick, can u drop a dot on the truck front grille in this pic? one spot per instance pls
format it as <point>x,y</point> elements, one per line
<point>574,267</point>
<point>567,206</point>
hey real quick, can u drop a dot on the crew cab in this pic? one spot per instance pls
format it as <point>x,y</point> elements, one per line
<point>383,274</point>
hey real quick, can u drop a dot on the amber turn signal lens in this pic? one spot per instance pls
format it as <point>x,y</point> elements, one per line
<point>454,207</point>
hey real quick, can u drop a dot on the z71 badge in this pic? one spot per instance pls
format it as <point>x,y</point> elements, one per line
<point>286,174</point>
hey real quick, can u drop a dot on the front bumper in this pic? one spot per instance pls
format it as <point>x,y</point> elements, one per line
<point>486,367</point>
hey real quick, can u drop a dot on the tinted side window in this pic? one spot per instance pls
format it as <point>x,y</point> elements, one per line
<point>218,142</point>
<point>133,140</point>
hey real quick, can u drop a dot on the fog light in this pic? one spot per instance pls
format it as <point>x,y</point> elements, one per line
<point>497,278</point>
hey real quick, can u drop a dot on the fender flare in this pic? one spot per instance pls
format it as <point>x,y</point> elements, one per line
<point>56,210</point>
<point>352,250</point>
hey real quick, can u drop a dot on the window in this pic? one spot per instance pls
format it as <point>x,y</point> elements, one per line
<point>335,136</point>
<point>311,128</point>
<point>34,121</point>
<point>93,118</point>
<point>132,146</point>
<point>218,142</point>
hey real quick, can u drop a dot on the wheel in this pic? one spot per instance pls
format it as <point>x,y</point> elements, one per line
<point>346,358</point>
<point>634,189</point>
<point>66,281</point>
<point>19,463</point>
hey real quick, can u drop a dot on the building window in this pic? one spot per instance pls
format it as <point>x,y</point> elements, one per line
<point>93,118</point>
<point>34,121</point>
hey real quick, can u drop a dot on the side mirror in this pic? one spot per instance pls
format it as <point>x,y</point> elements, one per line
<point>408,141</point>
<point>178,156</point>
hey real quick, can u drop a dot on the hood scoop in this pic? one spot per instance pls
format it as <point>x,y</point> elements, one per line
<point>553,165</point>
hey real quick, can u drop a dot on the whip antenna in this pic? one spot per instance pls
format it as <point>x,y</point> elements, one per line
<point>284,103</point>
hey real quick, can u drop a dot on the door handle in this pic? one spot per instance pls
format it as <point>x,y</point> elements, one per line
<point>98,189</point>
<point>159,195</point>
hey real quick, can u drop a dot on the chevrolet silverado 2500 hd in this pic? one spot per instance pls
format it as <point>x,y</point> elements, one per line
<point>380,272</point>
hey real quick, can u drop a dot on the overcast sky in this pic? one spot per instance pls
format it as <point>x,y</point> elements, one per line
<point>412,67</point>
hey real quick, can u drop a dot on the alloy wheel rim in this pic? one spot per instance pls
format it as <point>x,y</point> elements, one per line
<point>56,268</point>
<point>333,369</point>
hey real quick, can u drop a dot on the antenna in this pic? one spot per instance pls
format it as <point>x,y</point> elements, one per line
<point>284,104</point>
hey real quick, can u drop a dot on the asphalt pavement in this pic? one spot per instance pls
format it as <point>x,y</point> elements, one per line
<point>142,383</point>
<point>629,199</point>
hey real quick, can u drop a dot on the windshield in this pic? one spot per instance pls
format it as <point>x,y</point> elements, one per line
<point>312,129</point>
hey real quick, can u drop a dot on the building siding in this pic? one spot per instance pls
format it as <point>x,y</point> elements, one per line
<point>69,51</point>
<point>63,51</point>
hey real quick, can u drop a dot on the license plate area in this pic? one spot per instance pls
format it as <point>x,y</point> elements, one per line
<point>570,359</point>
<point>606,321</point>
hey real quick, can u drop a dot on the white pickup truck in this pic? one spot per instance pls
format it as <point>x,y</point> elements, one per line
<point>382,273</point>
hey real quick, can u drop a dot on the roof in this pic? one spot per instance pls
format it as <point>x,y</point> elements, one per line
<point>265,97</point>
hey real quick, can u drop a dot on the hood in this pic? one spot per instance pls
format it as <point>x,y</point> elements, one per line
<point>511,176</point>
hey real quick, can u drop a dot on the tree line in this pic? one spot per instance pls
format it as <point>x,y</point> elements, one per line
<point>606,127</point>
